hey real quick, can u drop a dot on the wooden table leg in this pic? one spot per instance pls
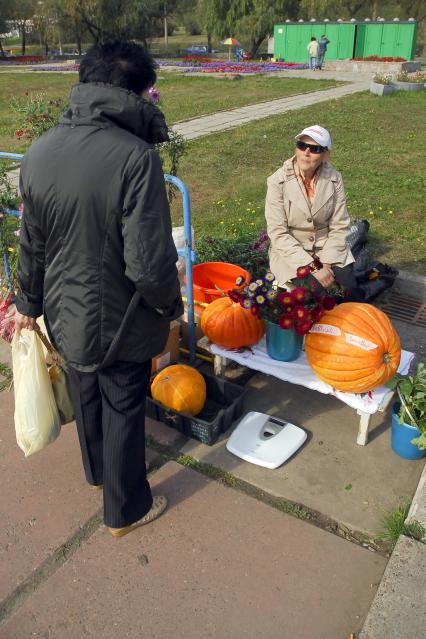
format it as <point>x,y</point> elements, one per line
<point>364,424</point>
<point>219,365</point>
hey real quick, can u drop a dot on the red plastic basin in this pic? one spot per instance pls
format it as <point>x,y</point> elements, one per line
<point>209,277</point>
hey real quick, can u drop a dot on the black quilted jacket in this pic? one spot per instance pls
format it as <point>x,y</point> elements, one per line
<point>96,229</point>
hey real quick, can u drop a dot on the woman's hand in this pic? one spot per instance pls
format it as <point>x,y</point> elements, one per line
<point>325,275</point>
<point>20,321</point>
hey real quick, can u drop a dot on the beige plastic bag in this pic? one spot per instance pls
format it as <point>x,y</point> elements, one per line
<point>58,375</point>
<point>59,378</point>
<point>37,421</point>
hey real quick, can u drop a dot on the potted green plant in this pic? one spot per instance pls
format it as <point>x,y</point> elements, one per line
<point>412,82</point>
<point>381,84</point>
<point>409,414</point>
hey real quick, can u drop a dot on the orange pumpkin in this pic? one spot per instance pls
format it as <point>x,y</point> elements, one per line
<point>228,324</point>
<point>181,388</point>
<point>354,347</point>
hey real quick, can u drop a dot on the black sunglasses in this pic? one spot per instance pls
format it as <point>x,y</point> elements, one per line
<point>314,148</point>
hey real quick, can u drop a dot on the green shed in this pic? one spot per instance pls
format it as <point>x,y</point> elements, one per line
<point>386,39</point>
<point>347,39</point>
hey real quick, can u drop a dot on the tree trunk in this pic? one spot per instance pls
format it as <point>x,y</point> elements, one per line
<point>255,44</point>
<point>78,38</point>
<point>209,42</point>
<point>24,39</point>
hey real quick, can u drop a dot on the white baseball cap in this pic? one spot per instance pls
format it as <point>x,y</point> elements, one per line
<point>317,133</point>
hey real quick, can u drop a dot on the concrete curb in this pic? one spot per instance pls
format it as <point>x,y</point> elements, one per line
<point>418,505</point>
<point>412,284</point>
<point>398,610</point>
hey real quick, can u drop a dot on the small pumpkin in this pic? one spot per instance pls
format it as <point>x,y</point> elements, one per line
<point>354,347</point>
<point>181,388</point>
<point>228,324</point>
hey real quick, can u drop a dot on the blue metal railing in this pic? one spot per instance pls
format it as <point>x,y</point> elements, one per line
<point>188,252</point>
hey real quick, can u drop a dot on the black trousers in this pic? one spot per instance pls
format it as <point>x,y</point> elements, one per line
<point>109,406</point>
<point>344,275</point>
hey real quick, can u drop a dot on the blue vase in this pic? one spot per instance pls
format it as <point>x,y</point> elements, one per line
<point>402,434</point>
<point>281,343</point>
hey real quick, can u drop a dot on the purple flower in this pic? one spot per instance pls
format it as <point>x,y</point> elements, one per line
<point>154,94</point>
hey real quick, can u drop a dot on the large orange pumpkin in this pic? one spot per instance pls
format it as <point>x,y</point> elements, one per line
<point>181,388</point>
<point>228,324</point>
<point>354,347</point>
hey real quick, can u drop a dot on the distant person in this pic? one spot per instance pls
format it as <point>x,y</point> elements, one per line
<point>313,52</point>
<point>323,41</point>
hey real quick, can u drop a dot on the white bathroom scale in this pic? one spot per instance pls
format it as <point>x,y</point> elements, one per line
<point>264,440</point>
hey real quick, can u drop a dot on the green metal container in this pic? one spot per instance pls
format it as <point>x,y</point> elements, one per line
<point>291,40</point>
<point>386,39</point>
<point>347,39</point>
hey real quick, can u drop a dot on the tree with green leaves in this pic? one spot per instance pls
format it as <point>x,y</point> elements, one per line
<point>20,15</point>
<point>250,20</point>
<point>105,19</point>
<point>70,21</point>
<point>5,14</point>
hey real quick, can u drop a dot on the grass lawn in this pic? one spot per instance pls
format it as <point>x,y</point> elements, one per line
<point>378,147</point>
<point>182,97</point>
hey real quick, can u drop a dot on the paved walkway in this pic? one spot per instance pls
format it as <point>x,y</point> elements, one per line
<point>223,120</point>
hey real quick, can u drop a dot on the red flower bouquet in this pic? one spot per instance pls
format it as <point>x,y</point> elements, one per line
<point>298,308</point>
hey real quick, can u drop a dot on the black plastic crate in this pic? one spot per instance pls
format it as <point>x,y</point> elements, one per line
<point>224,404</point>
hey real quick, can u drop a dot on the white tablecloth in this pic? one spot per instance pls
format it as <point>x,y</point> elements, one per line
<point>300,372</point>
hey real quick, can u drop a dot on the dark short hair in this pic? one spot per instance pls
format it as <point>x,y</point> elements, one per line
<point>323,35</point>
<point>313,38</point>
<point>121,63</point>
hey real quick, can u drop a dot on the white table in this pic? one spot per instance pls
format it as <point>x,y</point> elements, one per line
<point>299,372</point>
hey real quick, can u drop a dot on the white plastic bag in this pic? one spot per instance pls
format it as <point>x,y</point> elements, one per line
<point>178,233</point>
<point>37,421</point>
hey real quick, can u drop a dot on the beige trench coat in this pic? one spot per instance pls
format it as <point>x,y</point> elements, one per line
<point>297,231</point>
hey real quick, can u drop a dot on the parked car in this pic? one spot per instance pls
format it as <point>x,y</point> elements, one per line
<point>199,49</point>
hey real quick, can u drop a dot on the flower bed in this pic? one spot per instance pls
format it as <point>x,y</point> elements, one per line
<point>53,67</point>
<point>376,58</point>
<point>228,66</point>
<point>22,59</point>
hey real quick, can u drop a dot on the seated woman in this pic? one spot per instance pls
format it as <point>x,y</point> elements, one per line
<point>307,218</point>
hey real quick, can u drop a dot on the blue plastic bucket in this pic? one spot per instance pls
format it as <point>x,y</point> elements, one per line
<point>402,434</point>
<point>282,344</point>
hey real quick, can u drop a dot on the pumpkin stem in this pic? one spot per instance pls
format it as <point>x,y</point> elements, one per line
<point>387,358</point>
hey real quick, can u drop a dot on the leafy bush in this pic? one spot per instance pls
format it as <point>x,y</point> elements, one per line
<point>38,112</point>
<point>381,78</point>
<point>412,392</point>
<point>246,251</point>
<point>418,78</point>
<point>9,230</point>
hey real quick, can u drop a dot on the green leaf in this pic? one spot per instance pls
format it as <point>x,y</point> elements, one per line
<point>406,387</point>
<point>420,441</point>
